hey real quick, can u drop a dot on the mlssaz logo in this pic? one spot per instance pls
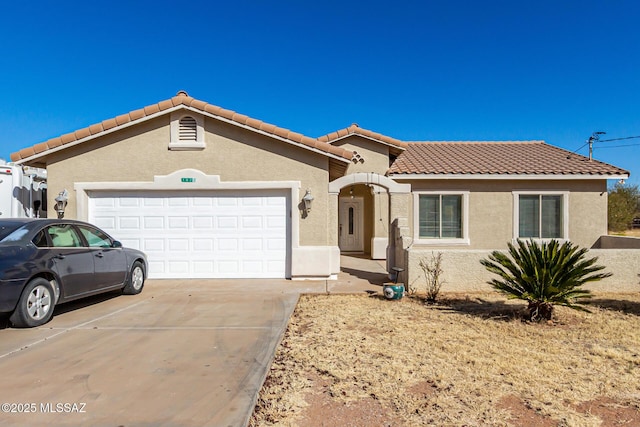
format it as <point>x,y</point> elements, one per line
<point>66,408</point>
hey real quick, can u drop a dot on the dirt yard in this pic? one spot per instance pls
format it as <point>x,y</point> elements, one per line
<point>634,232</point>
<point>468,360</point>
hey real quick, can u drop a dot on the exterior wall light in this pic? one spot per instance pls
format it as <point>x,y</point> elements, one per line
<point>61,203</point>
<point>307,200</point>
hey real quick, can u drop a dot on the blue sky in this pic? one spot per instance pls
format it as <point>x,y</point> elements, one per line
<point>413,70</point>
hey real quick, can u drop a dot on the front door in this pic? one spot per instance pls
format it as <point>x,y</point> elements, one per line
<point>350,227</point>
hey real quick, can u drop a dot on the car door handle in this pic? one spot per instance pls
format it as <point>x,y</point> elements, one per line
<point>60,256</point>
<point>100,255</point>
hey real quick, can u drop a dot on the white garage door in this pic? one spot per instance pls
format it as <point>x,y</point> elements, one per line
<point>200,234</point>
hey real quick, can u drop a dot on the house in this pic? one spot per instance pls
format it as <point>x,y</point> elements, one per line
<point>211,193</point>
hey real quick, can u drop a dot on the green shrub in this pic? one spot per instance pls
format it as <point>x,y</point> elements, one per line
<point>544,275</point>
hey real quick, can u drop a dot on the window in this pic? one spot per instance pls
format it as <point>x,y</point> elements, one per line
<point>64,236</point>
<point>95,238</point>
<point>442,217</point>
<point>40,239</point>
<point>540,215</point>
<point>351,221</point>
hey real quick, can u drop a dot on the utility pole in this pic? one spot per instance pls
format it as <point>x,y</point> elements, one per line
<point>593,138</point>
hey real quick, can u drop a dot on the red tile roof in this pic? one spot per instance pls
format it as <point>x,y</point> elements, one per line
<point>424,158</point>
<point>354,129</point>
<point>496,158</point>
<point>181,98</point>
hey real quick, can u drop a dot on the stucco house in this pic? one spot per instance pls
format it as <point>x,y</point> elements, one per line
<point>211,193</point>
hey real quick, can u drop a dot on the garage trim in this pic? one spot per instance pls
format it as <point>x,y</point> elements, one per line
<point>193,179</point>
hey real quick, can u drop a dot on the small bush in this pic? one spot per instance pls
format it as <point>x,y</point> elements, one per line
<point>432,270</point>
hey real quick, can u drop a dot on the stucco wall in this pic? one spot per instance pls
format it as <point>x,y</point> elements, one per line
<point>617,242</point>
<point>463,271</point>
<point>374,154</point>
<point>139,152</point>
<point>491,207</point>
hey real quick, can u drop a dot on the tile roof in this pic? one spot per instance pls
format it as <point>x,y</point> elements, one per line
<point>354,129</point>
<point>496,158</point>
<point>181,99</point>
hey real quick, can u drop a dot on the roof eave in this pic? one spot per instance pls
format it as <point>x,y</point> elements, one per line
<point>97,135</point>
<point>45,153</point>
<point>379,141</point>
<point>560,177</point>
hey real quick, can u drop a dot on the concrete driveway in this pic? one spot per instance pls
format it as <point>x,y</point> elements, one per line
<point>182,353</point>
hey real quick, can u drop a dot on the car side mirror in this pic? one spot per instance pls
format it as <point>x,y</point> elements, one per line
<point>116,244</point>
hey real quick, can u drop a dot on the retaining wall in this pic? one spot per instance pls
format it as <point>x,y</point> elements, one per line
<point>463,272</point>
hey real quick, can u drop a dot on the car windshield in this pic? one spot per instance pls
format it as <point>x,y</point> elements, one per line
<point>11,231</point>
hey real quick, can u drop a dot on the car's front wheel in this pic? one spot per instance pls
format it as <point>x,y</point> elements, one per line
<point>135,282</point>
<point>35,306</point>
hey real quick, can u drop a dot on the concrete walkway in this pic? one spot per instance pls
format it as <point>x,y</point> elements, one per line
<point>183,353</point>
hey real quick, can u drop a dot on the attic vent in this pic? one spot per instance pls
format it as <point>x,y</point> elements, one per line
<point>188,129</point>
<point>187,132</point>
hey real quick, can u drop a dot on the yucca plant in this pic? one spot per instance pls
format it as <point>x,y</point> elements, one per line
<point>544,275</point>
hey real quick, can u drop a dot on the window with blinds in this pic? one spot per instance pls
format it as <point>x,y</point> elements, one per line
<point>440,216</point>
<point>540,216</point>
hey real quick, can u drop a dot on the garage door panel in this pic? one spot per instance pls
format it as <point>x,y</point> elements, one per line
<point>202,235</point>
<point>153,202</point>
<point>252,245</point>
<point>152,245</point>
<point>203,267</point>
<point>129,202</point>
<point>178,201</point>
<point>204,222</point>
<point>178,222</point>
<point>227,222</point>
<point>179,267</point>
<point>252,222</point>
<point>153,222</point>
<point>276,244</point>
<point>105,222</point>
<point>205,245</point>
<point>129,222</point>
<point>179,245</point>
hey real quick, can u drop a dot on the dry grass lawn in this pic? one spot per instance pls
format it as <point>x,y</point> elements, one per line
<point>357,360</point>
<point>632,232</point>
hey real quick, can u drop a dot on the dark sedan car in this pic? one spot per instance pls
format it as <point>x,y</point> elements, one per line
<point>44,262</point>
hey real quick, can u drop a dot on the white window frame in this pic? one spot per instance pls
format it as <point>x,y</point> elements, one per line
<point>438,241</point>
<point>516,214</point>
<point>175,143</point>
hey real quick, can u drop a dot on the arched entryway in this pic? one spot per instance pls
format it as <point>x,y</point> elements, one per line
<point>364,206</point>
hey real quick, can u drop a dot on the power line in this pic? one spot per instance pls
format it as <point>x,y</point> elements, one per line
<point>618,139</point>
<point>616,146</point>
<point>595,137</point>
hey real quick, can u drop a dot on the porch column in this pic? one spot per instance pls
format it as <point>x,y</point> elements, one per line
<point>400,205</point>
<point>399,231</point>
<point>332,219</point>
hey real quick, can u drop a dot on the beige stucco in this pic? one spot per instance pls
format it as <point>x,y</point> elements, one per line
<point>235,154</point>
<point>491,210</point>
<point>141,152</point>
<point>374,156</point>
<point>462,271</point>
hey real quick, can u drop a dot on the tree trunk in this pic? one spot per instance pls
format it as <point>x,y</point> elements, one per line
<point>540,310</point>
